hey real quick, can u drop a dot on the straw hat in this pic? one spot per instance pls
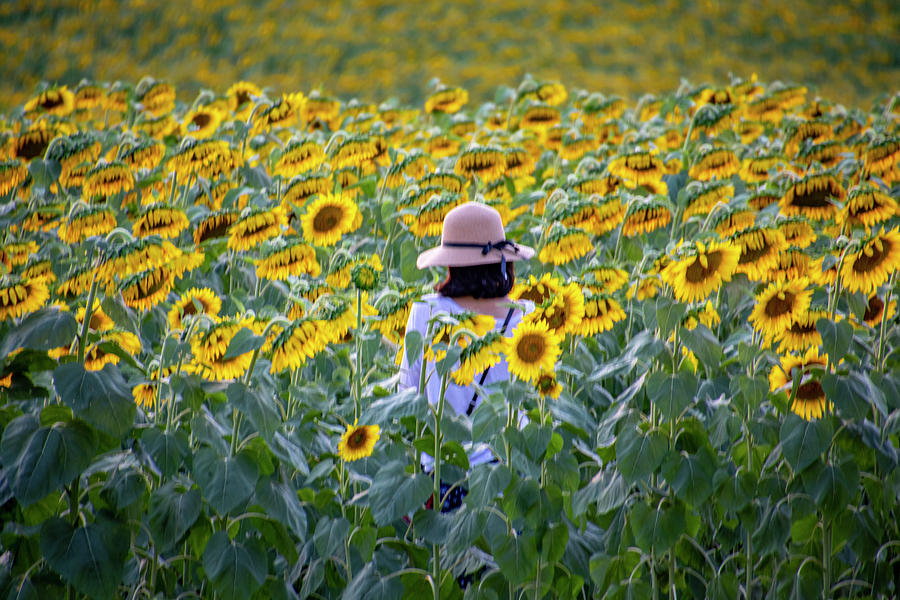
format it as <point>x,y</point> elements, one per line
<point>473,235</point>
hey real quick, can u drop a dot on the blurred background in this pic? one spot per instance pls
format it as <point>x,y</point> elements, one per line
<point>844,50</point>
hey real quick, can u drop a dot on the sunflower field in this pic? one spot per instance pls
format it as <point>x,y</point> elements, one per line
<point>203,308</point>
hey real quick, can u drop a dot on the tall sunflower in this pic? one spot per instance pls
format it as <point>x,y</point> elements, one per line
<point>638,167</point>
<point>83,223</point>
<point>142,291</point>
<point>162,220</point>
<point>875,309</point>
<point>644,216</point>
<point>870,267</point>
<point>209,348</point>
<point>447,100</point>
<point>532,350</point>
<point>810,401</point>
<point>20,296</point>
<point>96,356</point>
<point>702,270</point>
<point>802,333</point>
<point>107,179</point>
<point>299,156</point>
<point>358,441</point>
<point>867,206</point>
<point>537,290</point>
<point>328,218</point>
<point>484,162</point>
<point>12,173</point>
<point>797,231</point>
<point>778,306</point>
<point>714,162</point>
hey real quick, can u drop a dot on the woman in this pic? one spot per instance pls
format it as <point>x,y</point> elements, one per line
<point>480,276</point>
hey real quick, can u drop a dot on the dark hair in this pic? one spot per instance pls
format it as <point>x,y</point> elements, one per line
<point>478,281</point>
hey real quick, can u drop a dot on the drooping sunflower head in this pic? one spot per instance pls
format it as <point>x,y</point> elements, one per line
<point>882,155</point>
<point>760,251</point>
<point>810,401</point>
<point>202,122</point>
<point>802,333</point>
<point>532,350</point>
<point>869,267</point>
<point>97,356</point>
<point>601,312</point>
<point>712,119</point>
<point>209,349</point>
<point>638,167</point>
<point>645,215</point>
<point>162,220</point>
<point>876,311</point>
<point>142,291</point>
<point>193,302</point>
<point>214,225</point>
<point>797,231</point>
<point>85,222</point>
<point>484,162</point>
<point>429,217</point>
<point>286,259</point>
<point>57,101</point>
<point>813,197</point>
<point>328,218</point>
<point>256,226</point>
<point>156,97</point>
<point>12,173</point>
<point>604,278</point>
<point>478,355</point>
<point>701,269</point>
<point>537,290</point>
<point>242,96</point>
<point>564,244</point>
<point>540,117</point>
<point>447,100</point>
<point>358,441</point>
<point>20,296</point>
<point>299,156</point>
<point>107,179</point>
<point>712,162</point>
<point>867,206</point>
<point>701,197</point>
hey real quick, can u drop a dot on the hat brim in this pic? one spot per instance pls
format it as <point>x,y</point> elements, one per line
<point>443,256</point>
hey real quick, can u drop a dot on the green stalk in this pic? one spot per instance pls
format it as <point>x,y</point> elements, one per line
<point>879,359</point>
<point>88,313</point>
<point>436,504</point>
<point>826,561</point>
<point>672,594</point>
<point>357,382</point>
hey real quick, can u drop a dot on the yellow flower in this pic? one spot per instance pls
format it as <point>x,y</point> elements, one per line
<point>20,296</point>
<point>701,197</point>
<point>299,156</point>
<point>540,116</point>
<point>477,323</point>
<point>201,122</point>
<point>532,350</point>
<point>241,98</point>
<point>646,216</point>
<point>12,173</point>
<point>870,267</point>
<point>291,259</point>
<point>715,162</point>
<point>484,162</point>
<point>162,220</point>
<point>797,231</point>
<point>158,98</point>
<point>100,321</point>
<point>866,207</point>
<point>328,218</point>
<point>255,227</point>
<point>548,385</point>
<point>703,270</point>
<point>563,244</point>
<point>802,333</point>
<point>477,356</point>
<point>86,222</point>
<point>536,290</point>
<point>810,401</point>
<point>760,251</point>
<point>209,303</point>
<point>142,291</point>
<point>358,441</point>
<point>447,100</point>
<point>875,311</point>
<point>96,357</point>
<point>639,167</point>
<point>779,305</point>
<point>756,169</point>
<point>601,312</point>
<point>214,225</point>
<point>146,155</point>
<point>563,312</point>
<point>300,340</point>
<point>107,179</point>
<point>209,348</point>
<point>813,197</point>
<point>57,101</point>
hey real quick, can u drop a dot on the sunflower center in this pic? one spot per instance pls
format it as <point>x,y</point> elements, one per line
<point>201,120</point>
<point>50,102</point>
<point>327,218</point>
<point>817,198</point>
<point>189,309</point>
<point>780,304</point>
<point>530,348</point>
<point>873,309</point>
<point>809,391</point>
<point>697,273</point>
<point>751,256</point>
<point>357,439</point>
<point>865,263</point>
<point>32,146</point>
<point>802,329</point>
<point>242,97</point>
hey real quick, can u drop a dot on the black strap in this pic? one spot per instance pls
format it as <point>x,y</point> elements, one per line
<point>484,375</point>
<point>485,248</point>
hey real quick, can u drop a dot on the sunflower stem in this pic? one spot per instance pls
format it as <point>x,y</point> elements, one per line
<point>88,313</point>
<point>357,383</point>
<point>826,561</point>
<point>437,501</point>
<point>879,359</point>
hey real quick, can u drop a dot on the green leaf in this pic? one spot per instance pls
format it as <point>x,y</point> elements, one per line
<point>405,403</point>
<point>850,394</point>
<point>466,527</point>
<point>227,481</point>
<point>638,454</point>
<point>517,558</point>
<point>122,315</point>
<point>236,570</point>
<point>102,398</point>
<point>173,510</point>
<point>836,337</point>
<point>91,558</point>
<point>553,544</point>
<point>704,345</point>
<point>607,488</point>
<point>656,529</point>
<point>691,476</point>
<point>408,270</point>
<point>244,341</point>
<point>802,442</point>
<point>280,502</point>
<point>47,457</point>
<point>287,451</point>
<point>832,486</point>
<point>44,329</point>
<point>367,584</point>
<point>432,525</point>
<point>252,404</point>
<point>394,492</point>
<point>486,482</point>
<point>668,314</point>
<point>671,393</point>
<point>330,535</point>
<point>168,449</point>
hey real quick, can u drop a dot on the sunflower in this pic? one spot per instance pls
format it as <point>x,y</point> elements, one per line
<point>705,315</point>
<point>342,266</point>
<point>146,155</point>
<point>96,357</point>
<point>867,206</point>
<point>142,291</point>
<point>85,222</point>
<point>828,154</point>
<point>765,109</point>
<point>358,441</point>
<point>802,332</point>
<point>779,305</point>
<point>763,197</point>
<point>139,255</point>
<point>810,401</point>
<point>639,167</point>
<point>328,218</point>
<point>300,340</point>
<point>644,288</point>
<point>14,254</point>
<point>733,219</point>
<point>601,312</point>
<point>748,131</point>
<point>88,96</point>
<point>806,132</point>
<point>209,348</point>
<point>518,163</point>
<point>563,244</point>
<point>107,179</point>
<point>20,296</point>
<point>870,267</point>
<point>758,169</point>
<point>318,110</point>
<point>58,101</point>
<point>797,231</point>
<point>303,187</point>
<point>875,311</point>
<point>760,251</point>
<point>645,216</point>
<point>100,321</point>
<point>202,122</point>
<point>31,143</point>
<point>714,162</point>
<point>477,356</point>
<point>447,100</point>
<point>486,163</point>
<point>812,197</point>
<point>793,263</point>
<point>477,323</point>
<point>352,151</point>
<point>256,226</point>
<point>882,155</point>
<point>281,113</point>
<point>563,312</point>
<point>393,314</point>
<point>157,128</point>
<point>12,173</point>
<point>702,270</point>
<point>540,116</point>
<point>293,258</point>
<point>192,302</point>
<point>450,182</point>
<point>701,197</point>
<point>712,119</point>
<point>299,156</point>
<point>429,217</point>
<point>536,290</point>
<point>347,178</point>
<point>209,158</point>
<point>241,97</point>
<point>532,350</point>
<point>162,220</point>
<point>604,279</point>
<point>40,269</point>
<point>158,98</point>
